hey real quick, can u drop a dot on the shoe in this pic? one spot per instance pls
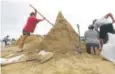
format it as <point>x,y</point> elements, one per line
<point>45,56</point>
<point>19,50</point>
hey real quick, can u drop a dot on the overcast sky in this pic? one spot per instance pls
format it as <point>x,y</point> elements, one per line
<point>15,12</point>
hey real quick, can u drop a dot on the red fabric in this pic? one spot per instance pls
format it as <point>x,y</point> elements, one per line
<point>31,24</point>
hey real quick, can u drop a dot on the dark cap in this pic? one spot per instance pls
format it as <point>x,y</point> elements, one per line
<point>32,13</point>
<point>91,27</point>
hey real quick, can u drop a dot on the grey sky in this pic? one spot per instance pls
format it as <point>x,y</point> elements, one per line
<point>15,12</point>
<point>12,17</point>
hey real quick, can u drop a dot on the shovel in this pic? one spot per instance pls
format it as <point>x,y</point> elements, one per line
<point>41,15</point>
<point>79,45</point>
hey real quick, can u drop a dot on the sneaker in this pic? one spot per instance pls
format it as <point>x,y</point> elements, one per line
<point>45,56</point>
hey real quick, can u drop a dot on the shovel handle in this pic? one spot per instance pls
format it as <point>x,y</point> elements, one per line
<point>41,15</point>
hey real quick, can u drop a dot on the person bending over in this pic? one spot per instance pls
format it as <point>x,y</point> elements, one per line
<point>91,40</point>
<point>105,26</point>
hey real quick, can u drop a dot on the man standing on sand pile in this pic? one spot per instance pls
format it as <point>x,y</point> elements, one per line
<point>29,28</point>
<point>105,26</point>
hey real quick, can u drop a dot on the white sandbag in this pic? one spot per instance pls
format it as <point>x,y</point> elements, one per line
<point>43,56</point>
<point>108,50</point>
<point>10,60</point>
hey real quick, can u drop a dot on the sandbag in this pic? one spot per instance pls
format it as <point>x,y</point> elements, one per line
<point>4,61</point>
<point>108,50</point>
<point>42,56</point>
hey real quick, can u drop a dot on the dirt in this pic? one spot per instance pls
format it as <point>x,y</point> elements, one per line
<point>61,38</point>
<point>69,63</point>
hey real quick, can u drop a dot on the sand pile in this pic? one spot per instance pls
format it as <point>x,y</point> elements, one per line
<point>70,63</point>
<point>31,47</point>
<point>31,38</point>
<point>61,38</point>
<point>30,44</point>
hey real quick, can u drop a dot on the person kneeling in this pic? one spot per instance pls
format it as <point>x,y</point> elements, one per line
<point>92,40</point>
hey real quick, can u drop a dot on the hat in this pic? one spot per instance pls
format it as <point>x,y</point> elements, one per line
<point>32,13</point>
<point>91,27</point>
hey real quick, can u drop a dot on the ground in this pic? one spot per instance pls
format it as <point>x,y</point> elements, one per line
<point>69,63</point>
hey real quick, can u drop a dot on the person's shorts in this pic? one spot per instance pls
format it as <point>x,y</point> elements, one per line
<point>26,33</point>
<point>104,29</point>
<point>89,45</point>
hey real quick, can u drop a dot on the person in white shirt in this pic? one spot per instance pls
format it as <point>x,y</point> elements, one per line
<point>106,26</point>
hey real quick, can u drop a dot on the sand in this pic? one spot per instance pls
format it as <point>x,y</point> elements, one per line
<point>31,43</point>
<point>69,63</point>
<point>61,38</point>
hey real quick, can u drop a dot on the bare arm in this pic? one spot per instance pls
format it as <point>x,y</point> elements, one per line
<point>42,19</point>
<point>111,16</point>
<point>38,20</point>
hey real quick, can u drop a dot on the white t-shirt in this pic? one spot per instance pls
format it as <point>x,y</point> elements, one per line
<point>101,21</point>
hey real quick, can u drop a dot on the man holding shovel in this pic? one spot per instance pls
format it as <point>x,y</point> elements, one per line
<point>32,21</point>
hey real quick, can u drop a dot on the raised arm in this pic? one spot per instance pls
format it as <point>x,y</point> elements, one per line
<point>111,16</point>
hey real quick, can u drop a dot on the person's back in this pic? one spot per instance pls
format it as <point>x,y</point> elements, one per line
<point>91,36</point>
<point>31,24</point>
<point>92,40</point>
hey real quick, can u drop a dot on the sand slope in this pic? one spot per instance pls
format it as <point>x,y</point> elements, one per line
<point>61,38</point>
<point>70,63</point>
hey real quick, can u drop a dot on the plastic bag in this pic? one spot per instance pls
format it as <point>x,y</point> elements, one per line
<point>4,61</point>
<point>108,50</point>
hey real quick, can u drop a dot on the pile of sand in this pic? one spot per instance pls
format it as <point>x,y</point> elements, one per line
<point>61,38</point>
<point>70,63</point>
<point>30,39</point>
<point>31,42</point>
